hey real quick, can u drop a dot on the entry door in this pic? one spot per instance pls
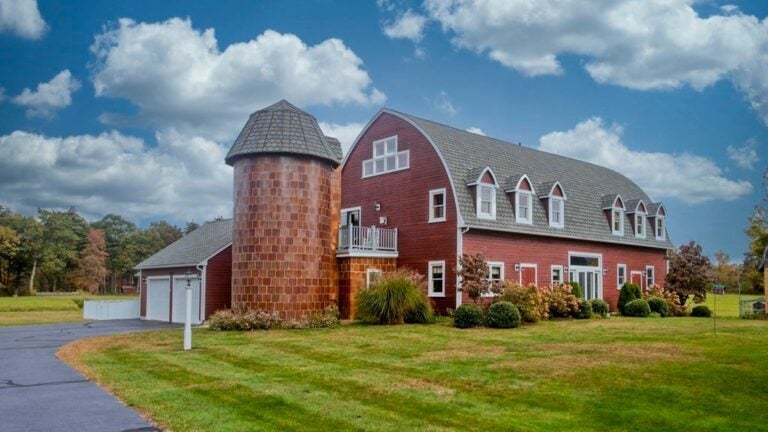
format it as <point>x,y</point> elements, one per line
<point>158,299</point>
<point>350,218</point>
<point>180,299</point>
<point>637,278</point>
<point>528,275</point>
<point>589,281</point>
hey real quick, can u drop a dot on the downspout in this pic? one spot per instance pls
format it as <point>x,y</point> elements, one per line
<point>459,250</point>
<point>201,301</point>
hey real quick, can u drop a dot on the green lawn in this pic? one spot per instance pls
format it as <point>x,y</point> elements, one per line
<point>617,374</point>
<point>726,305</point>
<point>44,309</point>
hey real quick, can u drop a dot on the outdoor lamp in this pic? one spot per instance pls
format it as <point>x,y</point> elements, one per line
<point>517,266</point>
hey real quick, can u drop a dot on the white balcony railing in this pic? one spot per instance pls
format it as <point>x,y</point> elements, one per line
<point>355,238</point>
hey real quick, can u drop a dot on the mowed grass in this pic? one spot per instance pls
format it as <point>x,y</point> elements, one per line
<point>45,309</point>
<point>726,305</point>
<point>616,374</point>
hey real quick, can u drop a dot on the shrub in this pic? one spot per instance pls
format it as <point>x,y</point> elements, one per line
<point>79,301</point>
<point>637,308</point>
<point>421,314</point>
<point>502,315</point>
<point>576,289</point>
<point>628,293</point>
<point>329,317</point>
<point>468,315</point>
<point>529,300</point>
<point>672,300</point>
<point>659,306</point>
<point>585,310</point>
<point>759,315</point>
<point>561,301</point>
<point>701,311</point>
<point>392,298</point>
<point>244,320</point>
<point>600,307</point>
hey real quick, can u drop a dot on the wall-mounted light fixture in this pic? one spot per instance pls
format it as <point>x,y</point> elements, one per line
<point>517,267</point>
<point>605,270</point>
<point>377,206</point>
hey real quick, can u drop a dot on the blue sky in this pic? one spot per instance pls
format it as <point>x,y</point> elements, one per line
<point>129,107</point>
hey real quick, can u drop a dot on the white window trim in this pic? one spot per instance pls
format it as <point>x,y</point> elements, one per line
<point>653,270</point>
<point>552,271</point>
<point>622,216</point>
<point>636,272</point>
<point>397,154</point>
<point>479,189</point>
<point>430,280</point>
<point>359,209</point>
<point>432,194</point>
<point>368,273</point>
<point>518,218</point>
<point>535,268</point>
<point>663,228</point>
<point>560,202</point>
<point>619,284</point>
<point>501,274</point>
<point>638,217</point>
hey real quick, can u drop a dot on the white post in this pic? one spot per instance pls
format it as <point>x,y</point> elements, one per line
<point>188,320</point>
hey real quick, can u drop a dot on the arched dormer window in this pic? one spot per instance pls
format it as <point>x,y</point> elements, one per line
<point>659,222</point>
<point>524,193</point>
<point>555,204</point>
<point>485,193</point>
<point>615,207</point>
<point>640,212</point>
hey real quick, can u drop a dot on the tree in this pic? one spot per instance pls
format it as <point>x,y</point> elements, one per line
<point>116,230</point>
<point>473,271</point>
<point>9,247</point>
<point>191,226</point>
<point>64,235</point>
<point>92,266</point>
<point>689,273</point>
<point>167,232</point>
<point>29,251</point>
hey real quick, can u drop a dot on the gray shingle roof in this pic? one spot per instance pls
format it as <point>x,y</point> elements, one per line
<point>193,248</point>
<point>283,128</point>
<point>586,185</point>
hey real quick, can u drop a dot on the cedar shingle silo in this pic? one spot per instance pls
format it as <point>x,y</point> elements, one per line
<point>286,210</point>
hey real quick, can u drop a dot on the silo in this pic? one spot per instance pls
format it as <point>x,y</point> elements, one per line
<point>286,203</point>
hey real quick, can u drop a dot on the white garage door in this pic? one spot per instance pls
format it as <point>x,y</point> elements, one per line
<point>180,299</point>
<point>158,299</point>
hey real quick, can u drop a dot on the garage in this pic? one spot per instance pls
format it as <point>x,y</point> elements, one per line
<point>158,298</point>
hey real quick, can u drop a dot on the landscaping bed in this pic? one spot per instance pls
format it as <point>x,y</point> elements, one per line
<point>607,374</point>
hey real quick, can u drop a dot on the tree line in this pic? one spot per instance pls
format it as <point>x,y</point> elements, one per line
<point>61,251</point>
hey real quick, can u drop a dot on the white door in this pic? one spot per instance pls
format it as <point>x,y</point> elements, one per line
<point>180,299</point>
<point>158,299</point>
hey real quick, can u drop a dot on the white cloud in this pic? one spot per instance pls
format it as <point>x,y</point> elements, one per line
<point>690,178</point>
<point>22,17</point>
<point>636,44</point>
<point>476,130</point>
<point>183,178</point>
<point>178,77</point>
<point>745,156</point>
<point>50,96</point>
<point>442,102</point>
<point>346,133</point>
<point>407,25</point>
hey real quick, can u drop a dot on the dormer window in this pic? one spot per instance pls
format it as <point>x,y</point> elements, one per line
<point>555,205</point>
<point>524,193</point>
<point>659,224</point>
<point>615,208</point>
<point>618,221</point>
<point>386,158</point>
<point>484,182</point>
<point>639,210</point>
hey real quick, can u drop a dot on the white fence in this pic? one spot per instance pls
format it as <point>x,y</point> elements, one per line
<point>111,309</point>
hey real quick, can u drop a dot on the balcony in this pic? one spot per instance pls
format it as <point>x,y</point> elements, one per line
<point>367,242</point>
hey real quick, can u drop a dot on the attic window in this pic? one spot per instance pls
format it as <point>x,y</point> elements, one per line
<point>524,201</point>
<point>640,225</point>
<point>661,229</point>
<point>617,217</point>
<point>556,206</point>
<point>486,201</point>
<point>386,158</point>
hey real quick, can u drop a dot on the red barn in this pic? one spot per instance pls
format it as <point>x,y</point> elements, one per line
<point>539,218</point>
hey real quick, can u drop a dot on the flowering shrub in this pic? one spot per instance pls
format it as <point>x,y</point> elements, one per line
<point>244,320</point>
<point>561,301</point>
<point>529,300</point>
<point>502,315</point>
<point>473,271</point>
<point>672,300</point>
<point>329,317</point>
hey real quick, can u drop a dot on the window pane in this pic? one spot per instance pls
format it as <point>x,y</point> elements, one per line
<point>391,161</point>
<point>402,159</point>
<point>391,146</point>
<point>584,261</point>
<point>379,166</point>
<point>367,168</point>
<point>485,194</point>
<point>485,207</point>
<point>437,212</point>
<point>438,199</point>
<point>378,148</point>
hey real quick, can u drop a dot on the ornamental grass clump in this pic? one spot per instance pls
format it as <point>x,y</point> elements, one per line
<point>529,300</point>
<point>502,315</point>
<point>637,308</point>
<point>395,298</point>
<point>600,307</point>
<point>467,315</point>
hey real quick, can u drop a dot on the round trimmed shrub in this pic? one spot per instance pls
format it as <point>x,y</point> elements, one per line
<point>600,307</point>
<point>576,289</point>
<point>701,311</point>
<point>585,310</point>
<point>502,315</point>
<point>659,305</point>
<point>637,308</point>
<point>467,315</point>
<point>628,293</point>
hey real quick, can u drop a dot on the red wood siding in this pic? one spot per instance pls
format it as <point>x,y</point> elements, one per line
<point>487,178</point>
<point>547,251</point>
<point>404,199</point>
<point>218,282</point>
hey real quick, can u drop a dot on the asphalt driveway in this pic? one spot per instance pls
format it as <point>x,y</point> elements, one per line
<point>38,392</point>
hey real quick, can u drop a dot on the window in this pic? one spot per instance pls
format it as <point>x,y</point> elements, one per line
<point>436,278</point>
<point>640,225</point>
<point>371,276</point>
<point>617,221</point>
<point>557,274</point>
<point>650,276</point>
<point>437,205</point>
<point>486,201</point>
<point>523,213</point>
<point>495,275</point>
<point>386,158</point>
<point>556,212</point>
<point>661,230</point>
<point>621,275</point>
